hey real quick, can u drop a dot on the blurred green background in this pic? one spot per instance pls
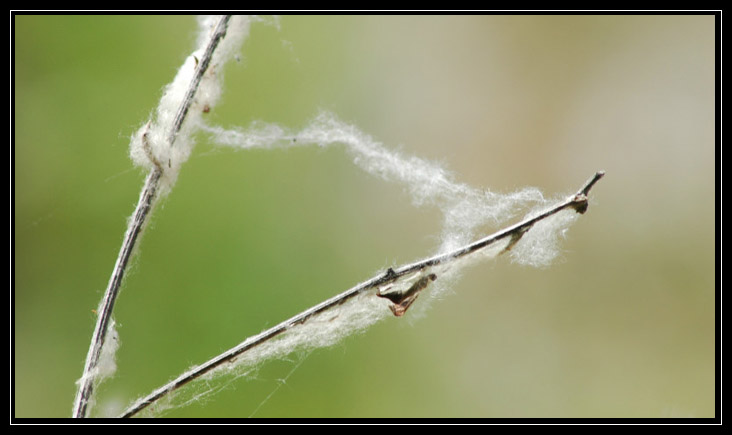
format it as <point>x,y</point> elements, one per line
<point>622,325</point>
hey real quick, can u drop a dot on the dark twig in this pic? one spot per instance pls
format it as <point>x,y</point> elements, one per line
<point>578,202</point>
<point>104,315</point>
<point>134,229</point>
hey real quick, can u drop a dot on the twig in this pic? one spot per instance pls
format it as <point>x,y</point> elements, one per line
<point>134,229</point>
<point>144,205</point>
<point>578,202</point>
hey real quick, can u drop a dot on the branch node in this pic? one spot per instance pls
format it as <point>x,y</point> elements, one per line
<point>515,237</point>
<point>401,301</point>
<point>580,201</point>
<point>389,275</point>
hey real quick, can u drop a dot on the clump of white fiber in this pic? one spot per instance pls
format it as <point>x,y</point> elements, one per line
<point>150,145</point>
<point>107,363</point>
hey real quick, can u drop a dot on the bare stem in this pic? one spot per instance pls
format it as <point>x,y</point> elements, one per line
<point>134,229</point>
<point>578,202</point>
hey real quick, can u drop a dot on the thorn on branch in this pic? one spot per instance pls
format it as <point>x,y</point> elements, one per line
<point>515,237</point>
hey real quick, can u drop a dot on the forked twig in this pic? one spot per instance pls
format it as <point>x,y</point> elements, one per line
<point>134,229</point>
<point>578,202</point>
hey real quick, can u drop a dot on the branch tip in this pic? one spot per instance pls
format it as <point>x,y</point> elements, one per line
<point>591,182</point>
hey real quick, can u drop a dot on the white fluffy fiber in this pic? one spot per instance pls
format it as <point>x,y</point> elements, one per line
<point>207,95</point>
<point>107,363</point>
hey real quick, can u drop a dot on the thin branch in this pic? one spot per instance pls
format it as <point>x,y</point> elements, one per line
<point>134,229</point>
<point>104,316</point>
<point>578,202</point>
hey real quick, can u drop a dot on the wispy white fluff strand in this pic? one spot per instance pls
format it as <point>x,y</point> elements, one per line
<point>465,209</point>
